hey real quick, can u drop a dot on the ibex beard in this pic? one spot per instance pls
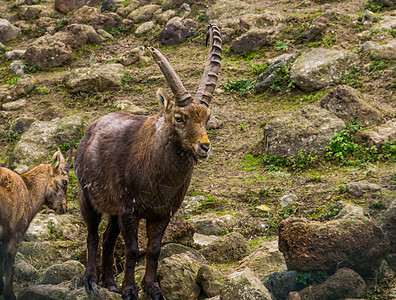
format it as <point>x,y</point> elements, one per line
<point>139,167</point>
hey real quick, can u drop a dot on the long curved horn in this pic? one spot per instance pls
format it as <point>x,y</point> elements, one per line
<point>183,97</point>
<point>212,66</point>
<point>69,159</point>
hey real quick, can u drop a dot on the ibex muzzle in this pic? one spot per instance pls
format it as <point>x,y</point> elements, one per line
<point>133,167</point>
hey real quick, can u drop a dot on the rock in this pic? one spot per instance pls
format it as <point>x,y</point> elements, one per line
<point>145,27</point>
<point>353,241</point>
<point>127,106</point>
<point>36,249</point>
<point>174,33</point>
<point>24,271</point>
<point>185,10</point>
<point>320,67</point>
<point>92,15</point>
<point>378,135</point>
<point>14,54</point>
<point>390,3</point>
<point>177,275</point>
<point>81,294</point>
<point>30,12</point>
<point>62,272</point>
<point>70,5</point>
<point>349,104</point>
<point>213,123</point>
<point>8,32</point>
<point>367,46</point>
<point>308,130</point>
<point>288,200</point>
<point>244,285</point>
<point>23,87</point>
<point>165,16</point>
<point>270,75</point>
<point>389,227</point>
<point>80,34</point>
<point>95,78</point>
<point>15,105</point>
<point>43,292</point>
<point>384,52</point>
<point>18,67</point>
<point>108,5</point>
<point>252,40</point>
<point>359,188</point>
<point>43,225</point>
<point>227,13</point>
<point>189,205</point>
<point>264,259</point>
<point>171,249</point>
<point>203,240</point>
<point>210,279</point>
<point>386,23</point>
<point>34,144</point>
<point>348,210</point>
<point>144,13</point>
<point>212,224</point>
<point>281,284</point>
<point>179,231</point>
<point>368,18</point>
<point>345,283</point>
<point>229,248</point>
<point>22,124</point>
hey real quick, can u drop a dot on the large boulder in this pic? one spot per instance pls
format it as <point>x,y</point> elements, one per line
<point>144,13</point>
<point>384,51</point>
<point>320,67</point>
<point>349,104</point>
<point>8,31</point>
<point>65,271</point>
<point>34,145</point>
<point>244,285</point>
<point>252,40</point>
<point>352,241</point>
<point>213,224</point>
<point>174,33</point>
<point>229,248</point>
<point>345,283</point>
<point>177,277</point>
<point>95,18</point>
<point>43,292</point>
<point>95,78</point>
<point>308,130</point>
<point>210,279</point>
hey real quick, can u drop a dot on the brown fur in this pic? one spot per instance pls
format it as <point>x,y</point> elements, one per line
<point>133,167</point>
<point>21,197</point>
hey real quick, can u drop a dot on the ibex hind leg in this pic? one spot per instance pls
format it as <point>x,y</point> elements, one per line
<point>109,241</point>
<point>92,219</point>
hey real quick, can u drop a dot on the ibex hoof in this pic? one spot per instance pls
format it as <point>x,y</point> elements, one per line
<point>158,297</point>
<point>112,288</point>
<point>90,285</point>
<point>130,297</point>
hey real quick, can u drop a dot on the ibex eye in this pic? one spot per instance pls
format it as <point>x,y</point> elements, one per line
<point>178,119</point>
<point>64,182</point>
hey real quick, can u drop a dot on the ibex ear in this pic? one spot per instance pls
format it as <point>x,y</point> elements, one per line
<point>163,99</point>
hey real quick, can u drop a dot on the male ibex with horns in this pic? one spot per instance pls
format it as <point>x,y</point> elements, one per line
<point>133,167</point>
<point>21,197</point>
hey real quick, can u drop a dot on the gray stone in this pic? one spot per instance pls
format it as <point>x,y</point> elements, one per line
<point>320,67</point>
<point>95,78</point>
<point>24,271</point>
<point>252,40</point>
<point>369,45</point>
<point>177,277</point>
<point>62,272</point>
<point>43,292</point>
<point>348,210</point>
<point>244,285</point>
<point>345,283</point>
<point>81,294</point>
<point>210,279</point>
<point>17,67</point>
<point>127,106</point>
<point>92,16</point>
<point>308,130</point>
<point>174,33</point>
<point>386,23</point>
<point>229,248</point>
<point>14,54</point>
<point>14,105</point>
<point>203,240</point>
<point>378,135</point>
<point>359,188</point>
<point>287,200</point>
<point>8,31</point>
<point>281,284</point>
<point>30,12</point>
<point>185,10</point>
<point>171,249</point>
<point>34,145</point>
<point>368,18</point>
<point>144,13</point>
<point>212,224</point>
<point>384,52</point>
<point>264,259</point>
<point>145,27</point>
<point>349,104</point>
<point>189,205</point>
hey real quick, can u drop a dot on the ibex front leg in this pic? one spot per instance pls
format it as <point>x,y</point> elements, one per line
<point>129,229</point>
<point>155,231</point>
<point>109,240</point>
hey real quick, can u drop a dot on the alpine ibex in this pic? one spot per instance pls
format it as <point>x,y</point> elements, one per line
<point>132,167</point>
<point>21,197</point>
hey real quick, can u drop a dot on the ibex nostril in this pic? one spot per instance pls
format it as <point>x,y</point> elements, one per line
<point>205,147</point>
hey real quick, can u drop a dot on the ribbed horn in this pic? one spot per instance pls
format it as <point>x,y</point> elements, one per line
<point>212,66</point>
<point>69,158</point>
<point>183,97</point>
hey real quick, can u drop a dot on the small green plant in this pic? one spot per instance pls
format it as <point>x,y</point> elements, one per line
<point>282,80</point>
<point>257,69</point>
<point>54,233</point>
<point>31,69</point>
<point>308,278</point>
<point>12,81</point>
<point>354,78</point>
<point>241,86</point>
<point>125,3</point>
<point>373,6</point>
<point>201,17</point>
<point>378,65</point>
<point>44,90</point>
<point>392,32</point>
<point>115,30</point>
<point>281,46</point>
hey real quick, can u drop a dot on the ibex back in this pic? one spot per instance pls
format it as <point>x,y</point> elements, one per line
<point>134,167</point>
<point>21,197</point>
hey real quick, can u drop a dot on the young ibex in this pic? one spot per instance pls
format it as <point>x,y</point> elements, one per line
<point>132,167</point>
<point>21,197</point>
